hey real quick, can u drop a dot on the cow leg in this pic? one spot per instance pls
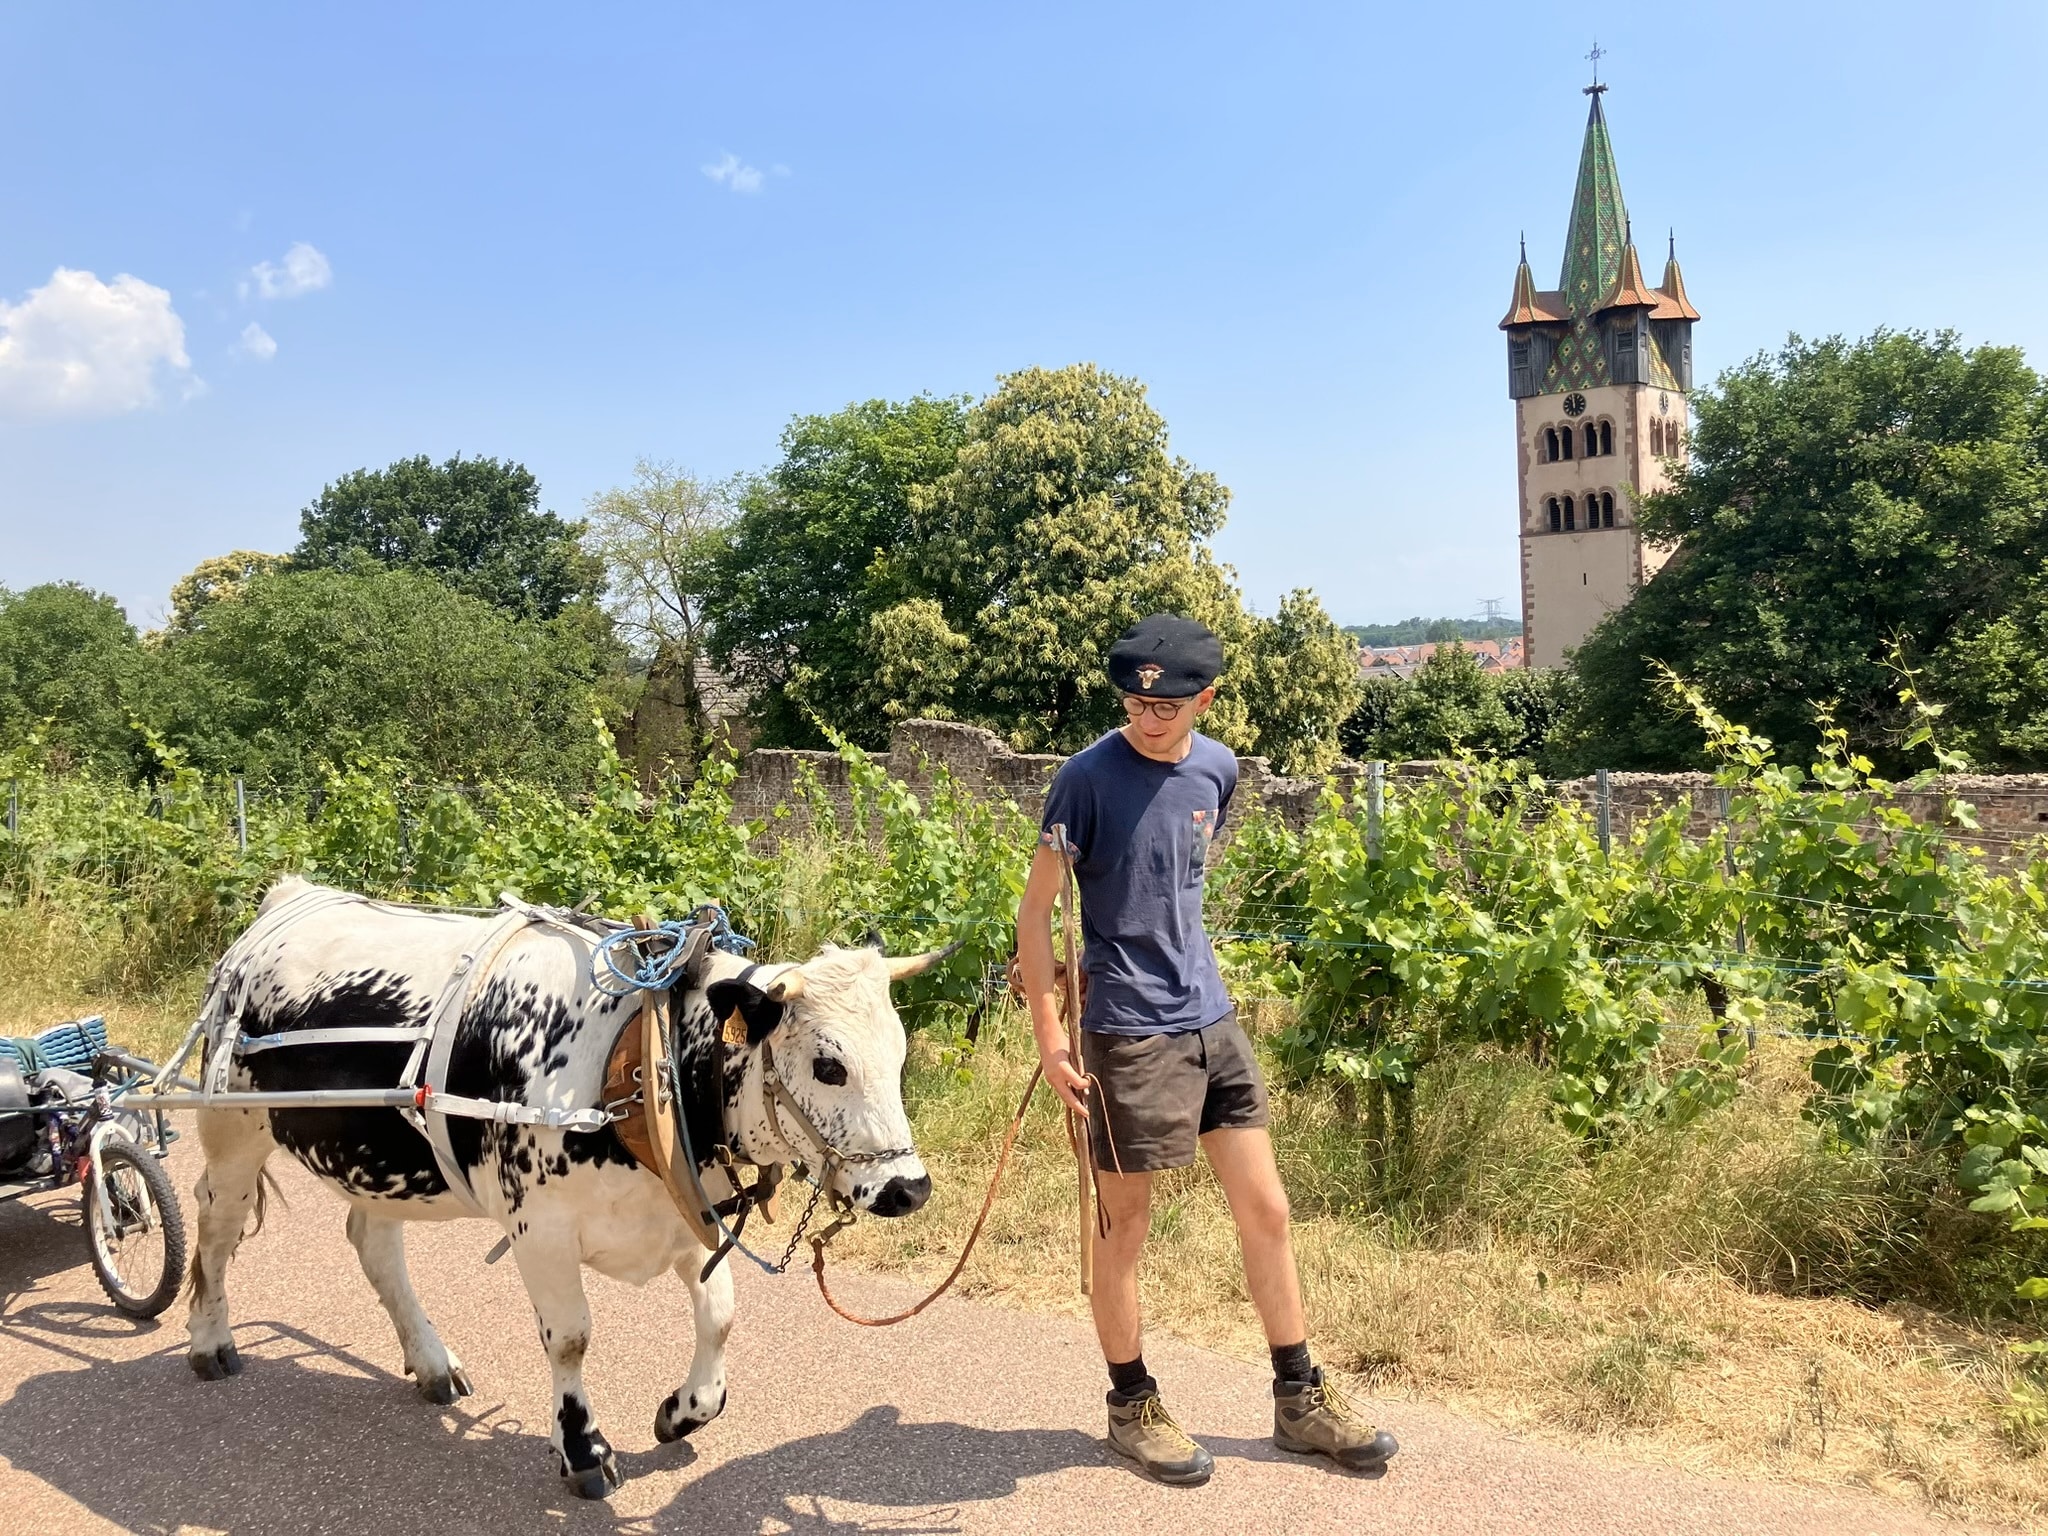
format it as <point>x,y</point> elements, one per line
<point>237,1142</point>
<point>701,1398</point>
<point>553,1271</point>
<point>379,1242</point>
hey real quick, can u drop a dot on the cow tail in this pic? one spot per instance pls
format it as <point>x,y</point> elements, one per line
<point>266,1186</point>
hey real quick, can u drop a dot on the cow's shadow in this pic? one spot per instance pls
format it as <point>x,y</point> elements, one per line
<point>311,1437</point>
<point>878,1461</point>
<point>40,1235</point>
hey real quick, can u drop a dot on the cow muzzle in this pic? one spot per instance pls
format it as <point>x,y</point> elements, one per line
<point>900,1196</point>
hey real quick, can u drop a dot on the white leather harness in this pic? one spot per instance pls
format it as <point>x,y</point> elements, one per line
<point>433,1043</point>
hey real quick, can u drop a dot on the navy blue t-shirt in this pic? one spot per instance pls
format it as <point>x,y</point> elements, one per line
<point>1141,832</point>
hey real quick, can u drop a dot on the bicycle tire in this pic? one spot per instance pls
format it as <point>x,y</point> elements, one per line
<point>119,1154</point>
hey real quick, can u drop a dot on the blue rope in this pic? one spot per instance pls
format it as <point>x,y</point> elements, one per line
<point>658,973</point>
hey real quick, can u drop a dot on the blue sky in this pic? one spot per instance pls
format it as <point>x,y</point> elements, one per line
<point>576,235</point>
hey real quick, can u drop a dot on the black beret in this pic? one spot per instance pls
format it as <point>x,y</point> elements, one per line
<point>1165,656</point>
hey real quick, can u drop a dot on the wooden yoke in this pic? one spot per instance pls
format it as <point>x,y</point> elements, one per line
<point>1077,1125</point>
<point>637,1071</point>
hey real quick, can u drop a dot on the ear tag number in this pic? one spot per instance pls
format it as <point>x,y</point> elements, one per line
<point>735,1029</point>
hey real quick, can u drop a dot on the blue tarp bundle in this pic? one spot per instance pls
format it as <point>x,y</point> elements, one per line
<point>71,1045</point>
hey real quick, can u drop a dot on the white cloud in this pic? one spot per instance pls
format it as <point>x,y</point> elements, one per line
<point>79,347</point>
<point>303,270</point>
<point>258,343</point>
<point>735,173</point>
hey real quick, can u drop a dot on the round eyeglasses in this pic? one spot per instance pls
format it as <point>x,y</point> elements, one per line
<point>1158,709</point>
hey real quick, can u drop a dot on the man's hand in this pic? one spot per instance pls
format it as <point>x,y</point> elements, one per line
<point>1070,1085</point>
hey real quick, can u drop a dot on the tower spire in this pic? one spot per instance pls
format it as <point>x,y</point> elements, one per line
<point>1593,244</point>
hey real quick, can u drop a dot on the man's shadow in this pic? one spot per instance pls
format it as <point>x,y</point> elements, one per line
<point>312,1436</point>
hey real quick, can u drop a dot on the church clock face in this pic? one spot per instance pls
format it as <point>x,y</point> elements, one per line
<point>1575,405</point>
<point>1663,405</point>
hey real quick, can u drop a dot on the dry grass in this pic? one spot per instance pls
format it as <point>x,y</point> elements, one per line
<point>1613,1305</point>
<point>1648,1298</point>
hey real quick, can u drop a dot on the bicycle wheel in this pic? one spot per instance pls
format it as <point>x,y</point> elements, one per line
<point>137,1232</point>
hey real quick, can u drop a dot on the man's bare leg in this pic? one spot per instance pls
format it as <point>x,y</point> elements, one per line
<point>1126,1200</point>
<point>1244,1166</point>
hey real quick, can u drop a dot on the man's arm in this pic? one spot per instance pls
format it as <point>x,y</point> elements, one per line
<point>1041,995</point>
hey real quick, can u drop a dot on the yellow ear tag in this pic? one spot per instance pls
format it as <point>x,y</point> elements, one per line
<point>735,1029</point>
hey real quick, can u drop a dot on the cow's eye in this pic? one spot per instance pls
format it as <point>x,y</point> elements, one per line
<point>828,1071</point>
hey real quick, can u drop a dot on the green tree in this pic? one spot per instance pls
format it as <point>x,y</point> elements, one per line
<point>70,665</point>
<point>1538,700</point>
<point>792,596</point>
<point>977,564</point>
<point>1299,677</point>
<point>215,580</point>
<point>307,669</point>
<point>1449,707</point>
<point>658,540</point>
<point>476,524</point>
<point>1842,498</point>
<point>1065,520</point>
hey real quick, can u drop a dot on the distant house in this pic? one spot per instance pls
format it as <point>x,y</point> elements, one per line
<point>1402,660</point>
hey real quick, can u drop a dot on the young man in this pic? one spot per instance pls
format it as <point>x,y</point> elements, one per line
<point>1167,1064</point>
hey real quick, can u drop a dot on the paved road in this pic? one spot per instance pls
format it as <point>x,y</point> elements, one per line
<point>969,1419</point>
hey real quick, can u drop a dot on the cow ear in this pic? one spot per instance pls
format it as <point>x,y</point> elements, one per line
<point>757,1010</point>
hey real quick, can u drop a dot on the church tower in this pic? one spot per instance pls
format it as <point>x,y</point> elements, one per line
<point>1599,370</point>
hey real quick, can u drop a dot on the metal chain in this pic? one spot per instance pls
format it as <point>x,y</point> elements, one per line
<point>796,1235</point>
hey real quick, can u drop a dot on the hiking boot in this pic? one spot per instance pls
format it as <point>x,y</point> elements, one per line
<point>1314,1418</point>
<point>1142,1429</point>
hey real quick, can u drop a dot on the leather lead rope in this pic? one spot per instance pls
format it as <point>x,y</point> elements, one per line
<point>966,1249</point>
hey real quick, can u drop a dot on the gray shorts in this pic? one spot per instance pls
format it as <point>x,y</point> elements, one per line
<point>1156,1096</point>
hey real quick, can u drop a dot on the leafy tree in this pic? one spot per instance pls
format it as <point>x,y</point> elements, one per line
<point>219,579</point>
<point>1063,521</point>
<point>791,596</point>
<point>1538,700</point>
<point>308,669</point>
<point>476,524</point>
<point>68,657</point>
<point>1359,735</point>
<point>1299,676</point>
<point>1843,498</point>
<point>926,558</point>
<point>1447,709</point>
<point>658,540</point>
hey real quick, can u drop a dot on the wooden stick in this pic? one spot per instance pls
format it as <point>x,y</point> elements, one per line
<point>1077,1126</point>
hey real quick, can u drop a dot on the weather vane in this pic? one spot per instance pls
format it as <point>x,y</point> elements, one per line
<point>1596,56</point>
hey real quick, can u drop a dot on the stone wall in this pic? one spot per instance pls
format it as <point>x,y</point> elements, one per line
<point>2009,807</point>
<point>980,761</point>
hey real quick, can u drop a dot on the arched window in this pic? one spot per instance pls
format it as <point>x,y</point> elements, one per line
<point>1592,440</point>
<point>1550,445</point>
<point>1570,519</point>
<point>1564,441</point>
<point>1556,516</point>
<point>1657,436</point>
<point>1607,509</point>
<point>1676,446</point>
<point>1606,437</point>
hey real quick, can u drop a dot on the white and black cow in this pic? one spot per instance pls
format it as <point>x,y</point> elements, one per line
<point>537,1032</point>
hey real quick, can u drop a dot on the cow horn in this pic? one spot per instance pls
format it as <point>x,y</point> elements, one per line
<point>787,987</point>
<point>903,967</point>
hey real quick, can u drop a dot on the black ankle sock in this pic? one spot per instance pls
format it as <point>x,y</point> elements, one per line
<point>1291,1363</point>
<point>1129,1378</point>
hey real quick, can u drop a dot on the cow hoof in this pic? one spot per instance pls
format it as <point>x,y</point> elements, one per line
<point>443,1390</point>
<point>217,1364</point>
<point>671,1423</point>
<point>595,1482</point>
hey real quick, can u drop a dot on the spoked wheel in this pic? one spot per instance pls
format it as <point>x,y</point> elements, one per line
<point>135,1228</point>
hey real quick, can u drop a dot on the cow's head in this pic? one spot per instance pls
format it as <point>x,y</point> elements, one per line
<point>838,1046</point>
